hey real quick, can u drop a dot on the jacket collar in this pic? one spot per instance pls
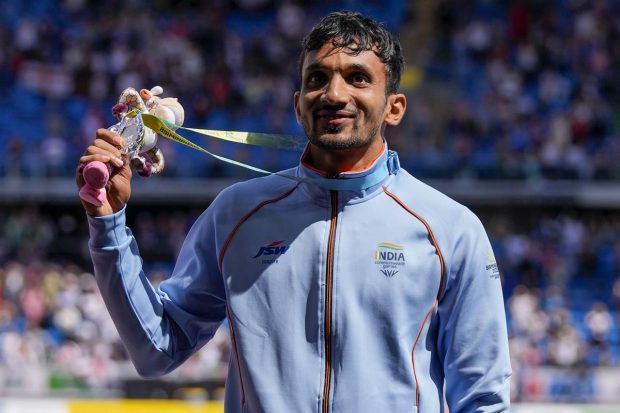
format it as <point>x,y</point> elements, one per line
<point>378,171</point>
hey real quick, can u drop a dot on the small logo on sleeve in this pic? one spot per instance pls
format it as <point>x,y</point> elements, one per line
<point>491,265</point>
<point>272,251</point>
<point>389,258</point>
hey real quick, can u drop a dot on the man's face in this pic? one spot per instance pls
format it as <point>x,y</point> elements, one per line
<point>342,103</point>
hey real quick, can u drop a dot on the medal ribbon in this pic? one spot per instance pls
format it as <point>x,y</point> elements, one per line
<point>287,142</point>
<point>161,127</point>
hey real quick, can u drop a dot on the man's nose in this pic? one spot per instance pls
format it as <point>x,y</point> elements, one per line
<point>335,91</point>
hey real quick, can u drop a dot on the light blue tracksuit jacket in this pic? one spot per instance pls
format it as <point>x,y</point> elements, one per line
<point>370,297</point>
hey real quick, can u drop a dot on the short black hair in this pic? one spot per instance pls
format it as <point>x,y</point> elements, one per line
<point>357,33</point>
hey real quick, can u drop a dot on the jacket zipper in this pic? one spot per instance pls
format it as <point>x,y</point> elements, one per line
<point>329,275</point>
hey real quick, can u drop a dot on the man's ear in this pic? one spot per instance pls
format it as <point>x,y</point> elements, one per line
<point>395,108</point>
<point>296,106</point>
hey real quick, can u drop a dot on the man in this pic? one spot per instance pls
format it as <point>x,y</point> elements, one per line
<point>351,287</point>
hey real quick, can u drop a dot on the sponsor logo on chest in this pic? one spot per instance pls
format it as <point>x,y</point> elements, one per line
<point>271,252</point>
<point>389,258</point>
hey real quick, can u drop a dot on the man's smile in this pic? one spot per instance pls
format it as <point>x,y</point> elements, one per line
<point>334,117</point>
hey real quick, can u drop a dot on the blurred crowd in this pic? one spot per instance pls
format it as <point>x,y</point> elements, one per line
<point>56,336</point>
<point>533,91</point>
<point>560,271</point>
<point>528,87</point>
<point>55,331</point>
<point>561,277</point>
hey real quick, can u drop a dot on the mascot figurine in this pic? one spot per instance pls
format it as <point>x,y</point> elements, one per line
<point>141,142</point>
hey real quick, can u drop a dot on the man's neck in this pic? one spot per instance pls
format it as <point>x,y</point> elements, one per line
<point>334,162</point>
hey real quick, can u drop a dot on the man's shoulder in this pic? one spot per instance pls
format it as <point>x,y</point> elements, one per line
<point>256,190</point>
<point>424,195</point>
<point>442,212</point>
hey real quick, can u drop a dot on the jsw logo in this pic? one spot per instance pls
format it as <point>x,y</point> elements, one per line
<point>273,248</point>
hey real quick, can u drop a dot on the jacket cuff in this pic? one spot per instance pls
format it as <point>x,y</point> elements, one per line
<point>108,230</point>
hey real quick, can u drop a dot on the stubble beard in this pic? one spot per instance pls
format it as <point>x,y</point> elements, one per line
<point>332,142</point>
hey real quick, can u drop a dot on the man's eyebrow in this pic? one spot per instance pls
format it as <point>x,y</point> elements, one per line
<point>314,66</point>
<point>359,66</point>
<point>352,66</point>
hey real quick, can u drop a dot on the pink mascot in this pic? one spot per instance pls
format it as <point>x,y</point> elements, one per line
<point>144,156</point>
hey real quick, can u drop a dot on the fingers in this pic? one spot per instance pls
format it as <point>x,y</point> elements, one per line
<point>110,137</point>
<point>106,142</point>
<point>109,141</point>
<point>102,156</point>
<point>106,148</point>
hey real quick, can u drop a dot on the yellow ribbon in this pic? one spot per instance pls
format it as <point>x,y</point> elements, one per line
<point>161,127</point>
<point>287,142</point>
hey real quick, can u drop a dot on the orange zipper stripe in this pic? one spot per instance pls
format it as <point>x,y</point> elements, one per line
<point>329,282</point>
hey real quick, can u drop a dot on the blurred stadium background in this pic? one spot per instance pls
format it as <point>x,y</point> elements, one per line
<point>514,111</point>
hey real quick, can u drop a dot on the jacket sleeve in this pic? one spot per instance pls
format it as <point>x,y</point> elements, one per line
<point>473,340</point>
<point>159,328</point>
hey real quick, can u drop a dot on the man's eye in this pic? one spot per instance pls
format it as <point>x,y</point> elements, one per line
<point>360,79</point>
<point>315,79</point>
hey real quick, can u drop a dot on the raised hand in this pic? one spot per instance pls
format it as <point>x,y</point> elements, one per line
<point>104,175</point>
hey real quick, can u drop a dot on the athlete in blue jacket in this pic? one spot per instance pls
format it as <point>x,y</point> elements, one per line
<point>349,287</point>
